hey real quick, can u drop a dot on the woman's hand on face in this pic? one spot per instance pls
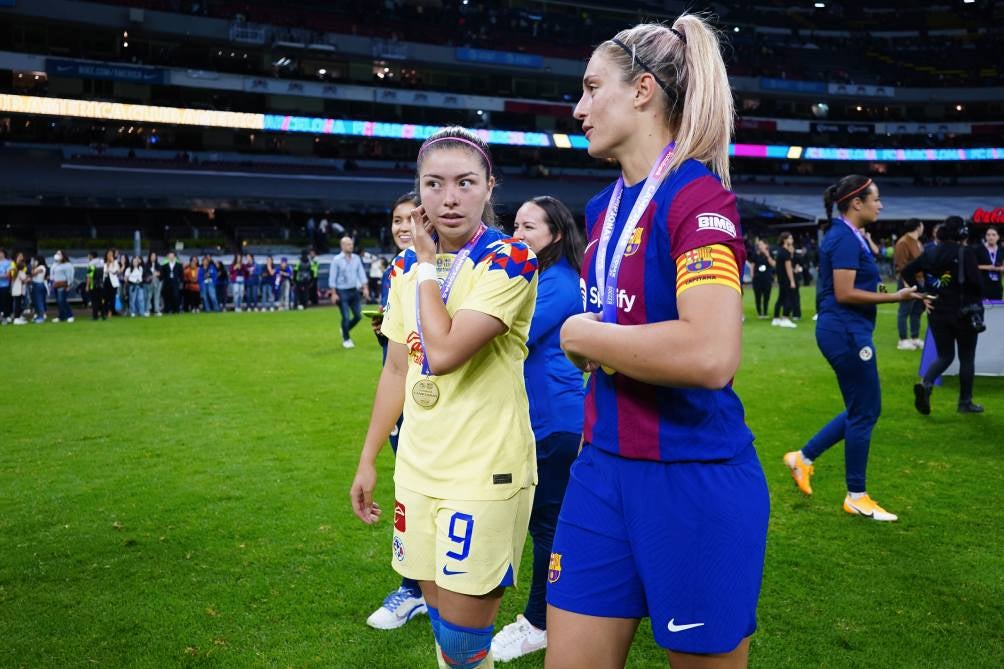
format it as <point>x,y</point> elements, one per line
<point>361,494</point>
<point>421,235</point>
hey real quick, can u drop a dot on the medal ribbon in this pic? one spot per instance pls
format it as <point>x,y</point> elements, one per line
<point>445,289</point>
<point>994,276</point>
<point>859,235</point>
<point>606,278</point>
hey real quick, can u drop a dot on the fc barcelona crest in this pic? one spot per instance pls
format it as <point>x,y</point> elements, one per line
<point>634,243</point>
<point>554,570</point>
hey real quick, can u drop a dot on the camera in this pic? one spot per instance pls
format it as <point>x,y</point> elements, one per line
<point>973,314</point>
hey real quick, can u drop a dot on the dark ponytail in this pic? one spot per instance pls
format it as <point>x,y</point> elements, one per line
<point>843,193</point>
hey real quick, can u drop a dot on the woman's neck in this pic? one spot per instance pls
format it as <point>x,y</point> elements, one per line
<point>640,153</point>
<point>452,245</point>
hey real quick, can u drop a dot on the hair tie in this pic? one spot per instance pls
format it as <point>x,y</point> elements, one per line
<point>678,34</point>
<point>662,84</point>
<point>860,188</point>
<point>468,142</point>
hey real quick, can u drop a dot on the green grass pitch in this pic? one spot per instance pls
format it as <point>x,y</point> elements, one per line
<point>174,492</point>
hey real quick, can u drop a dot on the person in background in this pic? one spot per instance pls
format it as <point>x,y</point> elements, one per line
<point>315,270</point>
<point>406,602</point>
<point>110,284</point>
<point>991,264</point>
<point>786,285</point>
<point>556,394</point>
<point>284,283</point>
<point>87,287</point>
<point>154,285</point>
<point>222,283</point>
<point>6,301</point>
<point>304,274</point>
<point>763,278</point>
<point>19,287</point>
<point>345,280</point>
<point>122,303</point>
<point>377,269</point>
<point>252,285</point>
<point>846,300</point>
<point>137,288</point>
<point>908,248</point>
<point>62,282</point>
<point>269,287</point>
<point>960,297</point>
<point>207,281</point>
<point>173,275</point>
<point>192,286</point>
<point>39,289</point>
<point>238,281</point>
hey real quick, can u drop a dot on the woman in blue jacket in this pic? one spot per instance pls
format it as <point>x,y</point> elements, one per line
<point>555,390</point>
<point>846,301</point>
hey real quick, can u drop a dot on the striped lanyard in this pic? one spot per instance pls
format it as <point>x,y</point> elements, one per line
<point>606,278</point>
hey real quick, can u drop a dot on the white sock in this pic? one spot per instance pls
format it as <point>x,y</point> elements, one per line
<point>856,495</point>
<point>807,460</point>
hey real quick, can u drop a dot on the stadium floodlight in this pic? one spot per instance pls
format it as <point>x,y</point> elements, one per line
<point>820,5</point>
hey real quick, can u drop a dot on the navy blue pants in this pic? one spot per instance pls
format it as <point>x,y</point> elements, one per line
<point>851,354</point>
<point>555,455</point>
<point>348,303</point>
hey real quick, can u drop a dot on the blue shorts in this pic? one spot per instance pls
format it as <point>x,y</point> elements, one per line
<point>682,543</point>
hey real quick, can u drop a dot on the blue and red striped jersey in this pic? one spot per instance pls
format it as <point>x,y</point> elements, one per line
<point>690,211</point>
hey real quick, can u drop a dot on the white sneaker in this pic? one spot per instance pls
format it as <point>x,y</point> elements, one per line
<point>299,307</point>
<point>918,344</point>
<point>906,345</point>
<point>20,320</point>
<point>70,319</point>
<point>518,639</point>
<point>776,322</point>
<point>55,320</point>
<point>786,323</point>
<point>348,343</point>
<point>397,609</point>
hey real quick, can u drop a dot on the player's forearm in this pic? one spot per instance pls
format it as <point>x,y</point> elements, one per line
<point>387,407</point>
<point>670,353</point>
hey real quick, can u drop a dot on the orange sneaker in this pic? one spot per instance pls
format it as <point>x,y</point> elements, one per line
<point>866,506</point>
<point>801,471</point>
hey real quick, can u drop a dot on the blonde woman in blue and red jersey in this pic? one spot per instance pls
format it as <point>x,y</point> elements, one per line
<point>666,510</point>
<point>555,390</point>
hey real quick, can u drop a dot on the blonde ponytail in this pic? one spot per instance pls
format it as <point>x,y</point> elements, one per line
<point>707,115</point>
<point>687,63</point>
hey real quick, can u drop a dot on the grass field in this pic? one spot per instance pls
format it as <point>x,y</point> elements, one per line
<point>173,492</point>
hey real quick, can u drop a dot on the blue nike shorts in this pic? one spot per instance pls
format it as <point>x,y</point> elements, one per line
<point>682,543</point>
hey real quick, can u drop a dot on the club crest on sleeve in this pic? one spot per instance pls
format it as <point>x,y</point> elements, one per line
<point>699,260</point>
<point>717,222</point>
<point>514,258</point>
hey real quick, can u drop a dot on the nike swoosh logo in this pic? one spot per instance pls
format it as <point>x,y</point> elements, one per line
<point>447,572</point>
<point>680,628</point>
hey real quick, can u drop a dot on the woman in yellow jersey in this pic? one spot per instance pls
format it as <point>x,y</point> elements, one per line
<point>458,316</point>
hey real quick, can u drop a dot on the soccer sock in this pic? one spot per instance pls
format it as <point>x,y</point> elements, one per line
<point>466,647</point>
<point>856,495</point>
<point>807,460</point>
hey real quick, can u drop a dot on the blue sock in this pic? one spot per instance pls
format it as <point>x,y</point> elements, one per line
<point>434,620</point>
<point>464,647</point>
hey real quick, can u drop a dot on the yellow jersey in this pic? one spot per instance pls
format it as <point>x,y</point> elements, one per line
<point>475,442</point>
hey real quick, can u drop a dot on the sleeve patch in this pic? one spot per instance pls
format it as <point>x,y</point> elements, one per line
<point>713,264</point>
<point>514,258</point>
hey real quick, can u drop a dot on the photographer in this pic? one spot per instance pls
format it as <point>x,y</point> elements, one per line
<point>956,313</point>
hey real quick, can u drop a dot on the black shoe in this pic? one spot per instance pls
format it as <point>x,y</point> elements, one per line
<point>922,399</point>
<point>970,407</point>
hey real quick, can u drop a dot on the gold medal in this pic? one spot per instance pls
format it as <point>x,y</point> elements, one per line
<point>425,393</point>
